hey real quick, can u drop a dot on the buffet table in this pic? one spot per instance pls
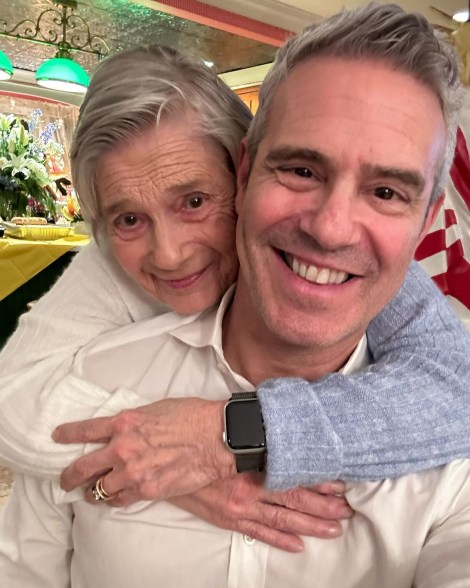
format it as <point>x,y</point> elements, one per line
<point>27,270</point>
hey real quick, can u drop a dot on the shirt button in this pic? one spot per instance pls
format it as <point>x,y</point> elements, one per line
<point>248,540</point>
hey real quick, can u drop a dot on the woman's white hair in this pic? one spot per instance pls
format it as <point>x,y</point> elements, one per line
<point>384,32</point>
<point>132,91</point>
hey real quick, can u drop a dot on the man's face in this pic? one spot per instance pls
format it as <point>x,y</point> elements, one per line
<point>337,199</point>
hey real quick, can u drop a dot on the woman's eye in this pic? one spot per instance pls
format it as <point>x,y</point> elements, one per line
<point>129,225</point>
<point>385,193</point>
<point>127,220</point>
<point>194,201</point>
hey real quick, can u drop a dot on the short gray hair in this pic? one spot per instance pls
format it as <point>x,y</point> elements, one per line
<point>131,91</point>
<point>386,32</point>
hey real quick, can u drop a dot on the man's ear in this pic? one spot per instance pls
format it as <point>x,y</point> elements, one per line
<point>243,173</point>
<point>433,211</point>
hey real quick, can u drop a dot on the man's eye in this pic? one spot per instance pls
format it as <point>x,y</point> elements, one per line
<point>302,172</point>
<point>385,193</point>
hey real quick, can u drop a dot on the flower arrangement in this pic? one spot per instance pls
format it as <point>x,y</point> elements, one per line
<point>25,185</point>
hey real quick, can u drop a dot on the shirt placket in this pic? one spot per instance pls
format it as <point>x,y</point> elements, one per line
<point>248,562</point>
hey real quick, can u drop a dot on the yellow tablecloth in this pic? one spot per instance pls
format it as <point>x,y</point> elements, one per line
<point>20,260</point>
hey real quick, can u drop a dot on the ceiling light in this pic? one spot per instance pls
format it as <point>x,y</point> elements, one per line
<point>60,72</point>
<point>461,16</point>
<point>6,68</point>
<point>63,74</point>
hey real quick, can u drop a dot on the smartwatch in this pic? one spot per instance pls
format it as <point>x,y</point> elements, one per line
<point>244,431</point>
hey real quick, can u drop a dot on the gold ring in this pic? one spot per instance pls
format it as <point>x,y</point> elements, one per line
<point>99,493</point>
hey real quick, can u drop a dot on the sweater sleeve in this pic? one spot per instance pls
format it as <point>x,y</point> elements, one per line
<point>37,390</point>
<point>408,411</point>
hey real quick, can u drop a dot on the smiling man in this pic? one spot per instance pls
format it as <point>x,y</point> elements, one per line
<point>340,178</point>
<point>331,209</point>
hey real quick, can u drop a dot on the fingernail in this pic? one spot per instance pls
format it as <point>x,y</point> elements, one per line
<point>334,530</point>
<point>338,487</point>
<point>346,512</point>
<point>55,434</point>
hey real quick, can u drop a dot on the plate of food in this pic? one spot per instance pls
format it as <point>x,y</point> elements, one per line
<point>35,229</point>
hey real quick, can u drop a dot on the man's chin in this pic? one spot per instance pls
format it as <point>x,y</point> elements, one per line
<point>312,333</point>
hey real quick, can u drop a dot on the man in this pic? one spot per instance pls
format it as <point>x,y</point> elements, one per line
<point>340,187</point>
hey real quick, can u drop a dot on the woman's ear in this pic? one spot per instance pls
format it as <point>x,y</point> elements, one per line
<point>242,174</point>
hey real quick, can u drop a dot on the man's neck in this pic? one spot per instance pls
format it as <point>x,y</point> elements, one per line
<point>256,354</point>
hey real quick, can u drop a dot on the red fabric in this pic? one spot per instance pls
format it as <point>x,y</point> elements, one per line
<point>460,172</point>
<point>451,272</point>
<point>456,281</point>
<point>432,244</point>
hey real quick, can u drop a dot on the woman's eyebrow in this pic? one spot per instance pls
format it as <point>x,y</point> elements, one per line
<point>185,187</point>
<point>117,205</point>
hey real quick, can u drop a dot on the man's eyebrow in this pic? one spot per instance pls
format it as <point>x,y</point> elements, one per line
<point>286,153</point>
<point>408,177</point>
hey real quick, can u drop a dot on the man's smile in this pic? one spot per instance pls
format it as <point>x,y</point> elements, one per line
<point>315,273</point>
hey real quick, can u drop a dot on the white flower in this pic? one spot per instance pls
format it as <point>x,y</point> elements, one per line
<point>5,121</point>
<point>38,171</point>
<point>18,164</point>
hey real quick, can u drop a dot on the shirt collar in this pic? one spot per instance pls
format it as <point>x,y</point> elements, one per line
<point>207,330</point>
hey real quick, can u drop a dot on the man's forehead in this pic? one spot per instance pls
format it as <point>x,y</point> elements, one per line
<point>333,95</point>
<point>320,75</point>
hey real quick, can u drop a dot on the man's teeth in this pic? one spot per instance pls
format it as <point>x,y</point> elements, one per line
<point>318,275</point>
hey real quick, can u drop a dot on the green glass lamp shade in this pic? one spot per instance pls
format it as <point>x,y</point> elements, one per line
<point>6,68</point>
<point>61,73</point>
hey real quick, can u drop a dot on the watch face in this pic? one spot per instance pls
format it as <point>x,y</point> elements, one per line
<point>244,425</point>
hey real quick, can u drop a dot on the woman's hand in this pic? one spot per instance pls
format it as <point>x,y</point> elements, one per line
<point>172,449</point>
<point>168,448</point>
<point>278,518</point>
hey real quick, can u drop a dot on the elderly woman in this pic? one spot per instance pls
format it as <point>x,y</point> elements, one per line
<point>154,161</point>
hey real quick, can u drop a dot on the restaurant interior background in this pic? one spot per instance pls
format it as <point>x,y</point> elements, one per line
<point>238,39</point>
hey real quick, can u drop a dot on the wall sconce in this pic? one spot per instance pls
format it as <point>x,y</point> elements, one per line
<point>60,72</point>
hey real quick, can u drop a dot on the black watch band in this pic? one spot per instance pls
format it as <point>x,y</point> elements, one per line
<point>244,395</point>
<point>249,462</point>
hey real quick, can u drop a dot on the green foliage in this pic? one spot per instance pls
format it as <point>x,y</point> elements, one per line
<point>24,181</point>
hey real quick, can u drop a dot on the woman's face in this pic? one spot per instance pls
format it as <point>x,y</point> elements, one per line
<point>167,198</point>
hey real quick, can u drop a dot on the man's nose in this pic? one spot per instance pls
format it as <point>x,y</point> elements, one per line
<point>332,218</point>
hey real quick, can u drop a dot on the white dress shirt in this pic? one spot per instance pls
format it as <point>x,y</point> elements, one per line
<point>412,531</point>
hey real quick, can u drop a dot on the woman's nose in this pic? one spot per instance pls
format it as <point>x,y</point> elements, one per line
<point>168,247</point>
